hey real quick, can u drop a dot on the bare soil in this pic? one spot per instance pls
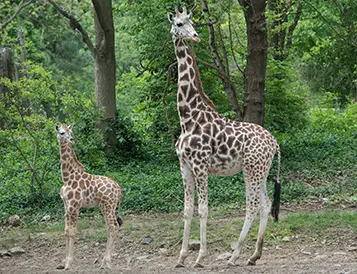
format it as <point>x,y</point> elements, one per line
<point>333,252</point>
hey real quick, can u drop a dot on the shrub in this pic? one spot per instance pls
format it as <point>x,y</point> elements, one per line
<point>285,106</point>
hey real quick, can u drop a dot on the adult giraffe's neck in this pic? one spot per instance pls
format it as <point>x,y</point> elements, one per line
<point>68,159</point>
<point>190,96</point>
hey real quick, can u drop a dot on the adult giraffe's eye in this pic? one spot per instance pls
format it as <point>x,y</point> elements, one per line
<point>62,133</point>
<point>179,24</point>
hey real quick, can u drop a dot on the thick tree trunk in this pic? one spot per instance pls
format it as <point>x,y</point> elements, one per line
<point>104,67</point>
<point>7,70</point>
<point>254,75</point>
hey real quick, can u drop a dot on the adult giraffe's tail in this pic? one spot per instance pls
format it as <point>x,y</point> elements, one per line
<point>119,220</point>
<point>276,202</point>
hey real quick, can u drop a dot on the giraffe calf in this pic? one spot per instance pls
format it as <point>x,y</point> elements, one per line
<point>81,189</point>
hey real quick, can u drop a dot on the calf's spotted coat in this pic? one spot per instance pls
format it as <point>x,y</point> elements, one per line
<point>81,189</point>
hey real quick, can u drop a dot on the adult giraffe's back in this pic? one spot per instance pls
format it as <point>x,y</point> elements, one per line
<point>211,143</point>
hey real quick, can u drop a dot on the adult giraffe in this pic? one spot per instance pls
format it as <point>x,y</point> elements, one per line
<point>212,144</point>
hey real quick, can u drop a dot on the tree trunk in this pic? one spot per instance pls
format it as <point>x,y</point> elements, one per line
<point>7,70</point>
<point>232,97</point>
<point>104,68</point>
<point>254,74</point>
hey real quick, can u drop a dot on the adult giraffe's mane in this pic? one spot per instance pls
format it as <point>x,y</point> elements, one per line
<point>198,78</point>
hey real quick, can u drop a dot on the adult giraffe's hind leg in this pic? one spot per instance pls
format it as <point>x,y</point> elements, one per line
<point>265,205</point>
<point>252,207</point>
<point>189,187</point>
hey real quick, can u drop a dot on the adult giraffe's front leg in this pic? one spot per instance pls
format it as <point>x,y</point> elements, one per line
<point>189,187</point>
<point>201,179</point>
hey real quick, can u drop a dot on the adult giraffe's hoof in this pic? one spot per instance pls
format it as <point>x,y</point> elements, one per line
<point>60,266</point>
<point>231,264</point>
<point>179,265</point>
<point>198,265</point>
<point>250,262</point>
<point>105,264</point>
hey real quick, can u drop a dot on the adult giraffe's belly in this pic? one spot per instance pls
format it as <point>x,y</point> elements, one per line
<point>224,166</point>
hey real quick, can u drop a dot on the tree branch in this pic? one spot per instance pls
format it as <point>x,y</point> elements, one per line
<point>165,105</point>
<point>15,143</point>
<point>210,23</point>
<point>212,42</point>
<point>231,40</point>
<point>293,25</point>
<point>99,11</point>
<point>221,73</point>
<point>329,24</point>
<point>223,65</point>
<point>154,56</point>
<point>22,5</point>
<point>74,23</point>
<point>224,51</point>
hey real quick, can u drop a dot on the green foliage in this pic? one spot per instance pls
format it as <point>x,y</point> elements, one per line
<point>286,107</point>
<point>157,186</point>
<point>317,132</point>
<point>314,223</point>
<point>29,171</point>
<point>129,142</point>
<point>326,47</point>
<point>322,156</point>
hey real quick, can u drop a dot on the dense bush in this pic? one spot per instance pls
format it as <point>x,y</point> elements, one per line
<point>286,106</point>
<point>323,155</point>
<point>329,141</point>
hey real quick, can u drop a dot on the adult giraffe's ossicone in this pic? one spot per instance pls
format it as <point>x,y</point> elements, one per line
<point>212,144</point>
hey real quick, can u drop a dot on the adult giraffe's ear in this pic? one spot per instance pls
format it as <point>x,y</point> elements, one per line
<point>170,16</point>
<point>57,128</point>
<point>70,127</point>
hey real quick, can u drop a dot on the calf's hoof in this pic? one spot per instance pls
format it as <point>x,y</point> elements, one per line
<point>105,264</point>
<point>251,262</point>
<point>179,265</point>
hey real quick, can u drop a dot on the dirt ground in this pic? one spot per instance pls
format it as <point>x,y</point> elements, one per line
<point>44,252</point>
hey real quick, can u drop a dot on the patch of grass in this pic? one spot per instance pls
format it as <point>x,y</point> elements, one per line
<point>166,229</point>
<point>315,222</point>
<point>222,230</point>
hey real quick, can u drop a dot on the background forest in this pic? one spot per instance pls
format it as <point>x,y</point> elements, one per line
<point>310,97</point>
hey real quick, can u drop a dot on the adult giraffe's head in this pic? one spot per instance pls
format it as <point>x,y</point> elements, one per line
<point>64,133</point>
<point>182,25</point>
